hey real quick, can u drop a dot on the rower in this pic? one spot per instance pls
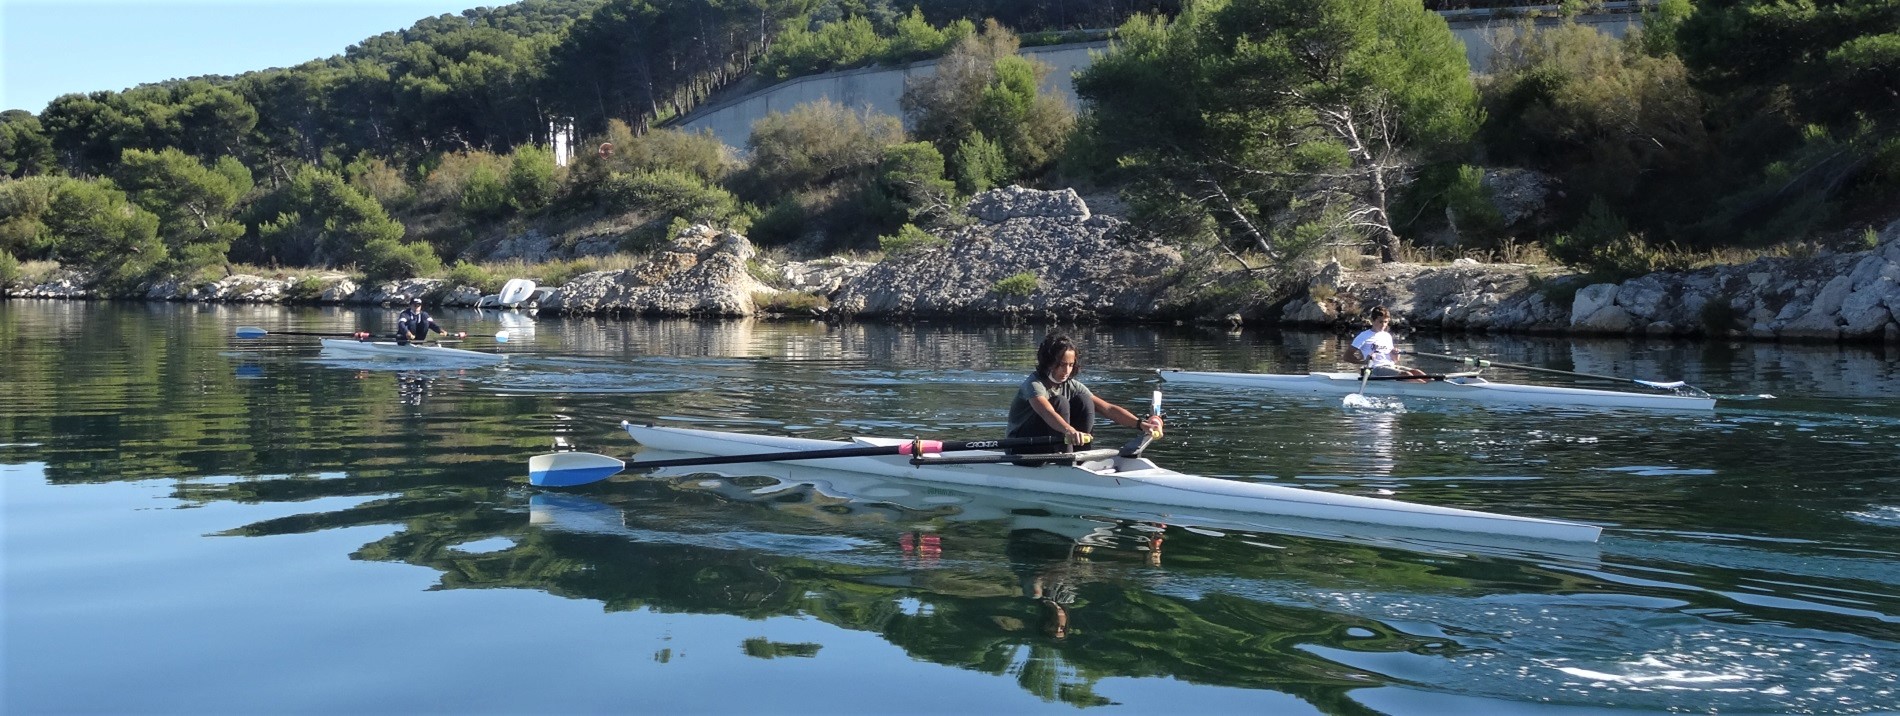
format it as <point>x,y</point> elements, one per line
<point>1052,402</point>
<point>1374,348</point>
<point>414,324</point>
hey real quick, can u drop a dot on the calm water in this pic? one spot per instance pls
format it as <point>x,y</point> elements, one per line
<point>199,524</point>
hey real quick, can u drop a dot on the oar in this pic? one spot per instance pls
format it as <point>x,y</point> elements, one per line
<point>255,332</point>
<point>1482,363</point>
<point>567,469</point>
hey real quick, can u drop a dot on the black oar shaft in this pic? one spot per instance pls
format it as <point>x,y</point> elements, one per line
<point>909,448</point>
<point>1482,363</point>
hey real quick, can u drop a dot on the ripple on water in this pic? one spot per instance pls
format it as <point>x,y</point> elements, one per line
<point>1882,515</point>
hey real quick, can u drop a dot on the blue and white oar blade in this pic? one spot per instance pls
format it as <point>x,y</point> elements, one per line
<point>567,469</point>
<point>251,332</point>
<point>501,336</point>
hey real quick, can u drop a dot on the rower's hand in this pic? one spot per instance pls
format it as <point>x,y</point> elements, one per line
<point>1077,438</point>
<point>1152,425</point>
<point>360,335</point>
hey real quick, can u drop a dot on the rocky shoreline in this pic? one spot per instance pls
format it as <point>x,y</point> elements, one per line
<point>1044,256</point>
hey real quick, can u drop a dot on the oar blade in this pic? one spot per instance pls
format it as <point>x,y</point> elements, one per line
<point>501,336</point>
<point>251,332</point>
<point>567,469</point>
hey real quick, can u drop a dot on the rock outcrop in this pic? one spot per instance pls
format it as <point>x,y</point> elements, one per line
<point>1030,254</point>
<point>702,273</point>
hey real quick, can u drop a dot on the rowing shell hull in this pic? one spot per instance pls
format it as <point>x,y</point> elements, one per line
<point>348,348</point>
<point>1472,388</point>
<point>1129,480</point>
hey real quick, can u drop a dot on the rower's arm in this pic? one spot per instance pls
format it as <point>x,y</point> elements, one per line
<point>1118,414</point>
<point>1047,411</point>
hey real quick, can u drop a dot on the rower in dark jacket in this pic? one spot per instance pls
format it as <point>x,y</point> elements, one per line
<point>414,324</point>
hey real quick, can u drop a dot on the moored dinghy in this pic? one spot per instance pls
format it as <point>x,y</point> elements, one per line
<point>1101,474</point>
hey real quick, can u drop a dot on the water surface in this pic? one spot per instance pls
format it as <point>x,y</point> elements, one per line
<point>195,523</point>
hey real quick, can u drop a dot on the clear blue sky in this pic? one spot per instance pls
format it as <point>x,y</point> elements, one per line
<point>54,47</point>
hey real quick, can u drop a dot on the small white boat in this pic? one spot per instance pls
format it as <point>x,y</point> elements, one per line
<point>1103,474</point>
<point>352,348</point>
<point>1469,387</point>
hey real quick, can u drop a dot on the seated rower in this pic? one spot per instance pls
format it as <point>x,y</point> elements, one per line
<point>1053,402</point>
<point>414,324</point>
<point>1374,348</point>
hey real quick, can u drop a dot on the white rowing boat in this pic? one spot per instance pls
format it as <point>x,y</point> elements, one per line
<point>1469,387</point>
<point>1103,474</point>
<point>352,348</point>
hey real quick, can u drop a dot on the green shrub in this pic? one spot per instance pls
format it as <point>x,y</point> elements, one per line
<point>531,182</point>
<point>1470,202</point>
<point>909,238</point>
<point>484,195</point>
<point>304,289</point>
<point>782,224</point>
<point>670,193</point>
<point>386,259</point>
<point>980,164</point>
<point>10,272</point>
<point>481,279</point>
<point>818,143</point>
<point>766,273</point>
<point>1019,285</point>
<point>790,302</point>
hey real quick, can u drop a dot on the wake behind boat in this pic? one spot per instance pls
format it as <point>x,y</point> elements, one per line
<point>352,348</point>
<point>1102,474</point>
<point>1468,387</point>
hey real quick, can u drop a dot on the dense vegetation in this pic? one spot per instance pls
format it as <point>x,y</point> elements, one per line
<point>1261,129</point>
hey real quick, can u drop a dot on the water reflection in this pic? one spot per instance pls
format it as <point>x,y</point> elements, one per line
<point>1748,562</point>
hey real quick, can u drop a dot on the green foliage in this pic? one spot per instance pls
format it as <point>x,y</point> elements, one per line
<point>317,220</point>
<point>669,194</point>
<point>484,194</point>
<point>1602,246</point>
<point>97,229</point>
<point>194,202</point>
<point>698,153</point>
<point>816,144</point>
<point>481,279</point>
<point>980,164</point>
<point>766,273</point>
<point>10,273</point>
<point>23,207</point>
<point>446,185</point>
<point>531,177</point>
<point>909,185</point>
<point>1607,120</point>
<point>25,150</point>
<point>837,45</point>
<point>386,259</point>
<point>916,39</point>
<point>783,223</point>
<point>1470,202</point>
<point>304,289</point>
<point>377,179</point>
<point>908,238</point>
<point>1198,117</point>
<point>790,302</point>
<point>1019,285</point>
<point>984,87</point>
<point>195,116</point>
